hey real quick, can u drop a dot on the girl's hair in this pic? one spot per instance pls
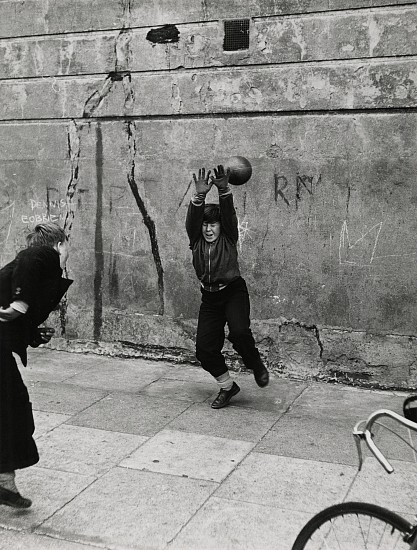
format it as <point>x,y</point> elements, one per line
<point>211,213</point>
<point>46,234</point>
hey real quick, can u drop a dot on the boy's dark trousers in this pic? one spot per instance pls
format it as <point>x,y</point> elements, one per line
<point>232,306</point>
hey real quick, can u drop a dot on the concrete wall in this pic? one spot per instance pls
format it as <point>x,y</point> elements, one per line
<point>105,113</point>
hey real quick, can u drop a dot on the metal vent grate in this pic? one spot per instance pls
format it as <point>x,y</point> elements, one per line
<point>236,35</point>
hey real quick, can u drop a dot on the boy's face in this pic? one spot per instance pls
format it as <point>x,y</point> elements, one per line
<point>63,250</point>
<point>211,231</point>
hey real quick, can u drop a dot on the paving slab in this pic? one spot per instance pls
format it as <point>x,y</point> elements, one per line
<point>232,422</point>
<point>133,456</point>
<point>288,483</point>
<point>130,509</point>
<point>233,525</point>
<point>129,375</point>
<point>396,491</point>
<point>49,490</point>
<point>193,392</point>
<point>276,397</point>
<point>40,357</point>
<point>59,374</point>
<point>85,451</point>
<point>328,401</point>
<point>62,398</point>
<point>190,373</point>
<point>134,414</point>
<point>308,437</point>
<point>190,455</point>
<point>47,421</point>
<point>54,366</point>
<point>16,540</point>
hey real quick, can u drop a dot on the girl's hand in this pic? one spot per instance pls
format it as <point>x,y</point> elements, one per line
<point>46,333</point>
<point>202,184</point>
<point>9,314</point>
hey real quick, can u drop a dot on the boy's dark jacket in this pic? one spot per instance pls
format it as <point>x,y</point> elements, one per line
<point>34,277</point>
<point>214,263</point>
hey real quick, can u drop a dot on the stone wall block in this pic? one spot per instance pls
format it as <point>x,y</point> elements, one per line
<point>40,17</point>
<point>273,40</point>
<point>322,87</point>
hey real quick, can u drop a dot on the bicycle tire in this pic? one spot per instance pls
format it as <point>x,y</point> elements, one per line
<point>355,519</point>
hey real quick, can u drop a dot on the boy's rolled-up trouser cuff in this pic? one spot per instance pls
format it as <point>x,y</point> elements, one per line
<point>225,381</point>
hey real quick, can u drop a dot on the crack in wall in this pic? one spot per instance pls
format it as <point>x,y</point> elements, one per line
<point>148,221</point>
<point>123,57</point>
<point>127,6</point>
<point>74,150</point>
<point>204,8</point>
<point>97,97</point>
<point>311,328</point>
<point>122,51</point>
<point>348,200</point>
<point>122,54</point>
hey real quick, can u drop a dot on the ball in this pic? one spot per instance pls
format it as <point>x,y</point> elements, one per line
<point>240,170</point>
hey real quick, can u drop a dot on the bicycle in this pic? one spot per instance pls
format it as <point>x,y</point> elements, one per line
<point>360,525</point>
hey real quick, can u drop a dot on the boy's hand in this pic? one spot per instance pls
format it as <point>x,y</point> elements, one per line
<point>221,181</point>
<point>202,183</point>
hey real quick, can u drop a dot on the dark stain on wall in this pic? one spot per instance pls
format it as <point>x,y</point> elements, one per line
<point>149,223</point>
<point>113,280</point>
<point>163,35</point>
<point>98,239</point>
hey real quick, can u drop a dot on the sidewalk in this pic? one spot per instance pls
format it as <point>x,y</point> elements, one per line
<point>132,456</point>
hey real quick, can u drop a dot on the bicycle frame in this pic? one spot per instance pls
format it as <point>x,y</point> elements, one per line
<point>366,435</point>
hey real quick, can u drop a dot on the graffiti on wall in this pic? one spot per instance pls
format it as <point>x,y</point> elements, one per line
<point>291,190</point>
<point>359,252</point>
<point>41,211</point>
<point>7,210</point>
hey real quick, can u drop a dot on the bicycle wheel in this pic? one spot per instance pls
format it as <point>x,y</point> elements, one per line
<point>354,526</point>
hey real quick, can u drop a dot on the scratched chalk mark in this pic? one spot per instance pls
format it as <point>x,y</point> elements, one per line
<point>361,246</point>
<point>6,227</point>
<point>244,232</point>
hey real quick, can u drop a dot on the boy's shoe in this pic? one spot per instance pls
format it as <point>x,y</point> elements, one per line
<point>15,500</point>
<point>261,375</point>
<point>225,396</point>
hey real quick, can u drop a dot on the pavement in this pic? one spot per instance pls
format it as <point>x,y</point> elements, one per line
<point>133,457</point>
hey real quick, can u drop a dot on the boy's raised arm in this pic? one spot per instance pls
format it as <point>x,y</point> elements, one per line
<point>227,209</point>
<point>195,211</point>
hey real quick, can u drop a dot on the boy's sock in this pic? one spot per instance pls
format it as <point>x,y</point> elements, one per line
<point>225,381</point>
<point>7,481</point>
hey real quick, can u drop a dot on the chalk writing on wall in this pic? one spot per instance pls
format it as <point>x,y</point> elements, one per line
<point>244,232</point>
<point>361,251</point>
<point>41,211</point>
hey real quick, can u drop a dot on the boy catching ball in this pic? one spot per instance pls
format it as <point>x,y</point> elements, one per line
<point>213,233</point>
